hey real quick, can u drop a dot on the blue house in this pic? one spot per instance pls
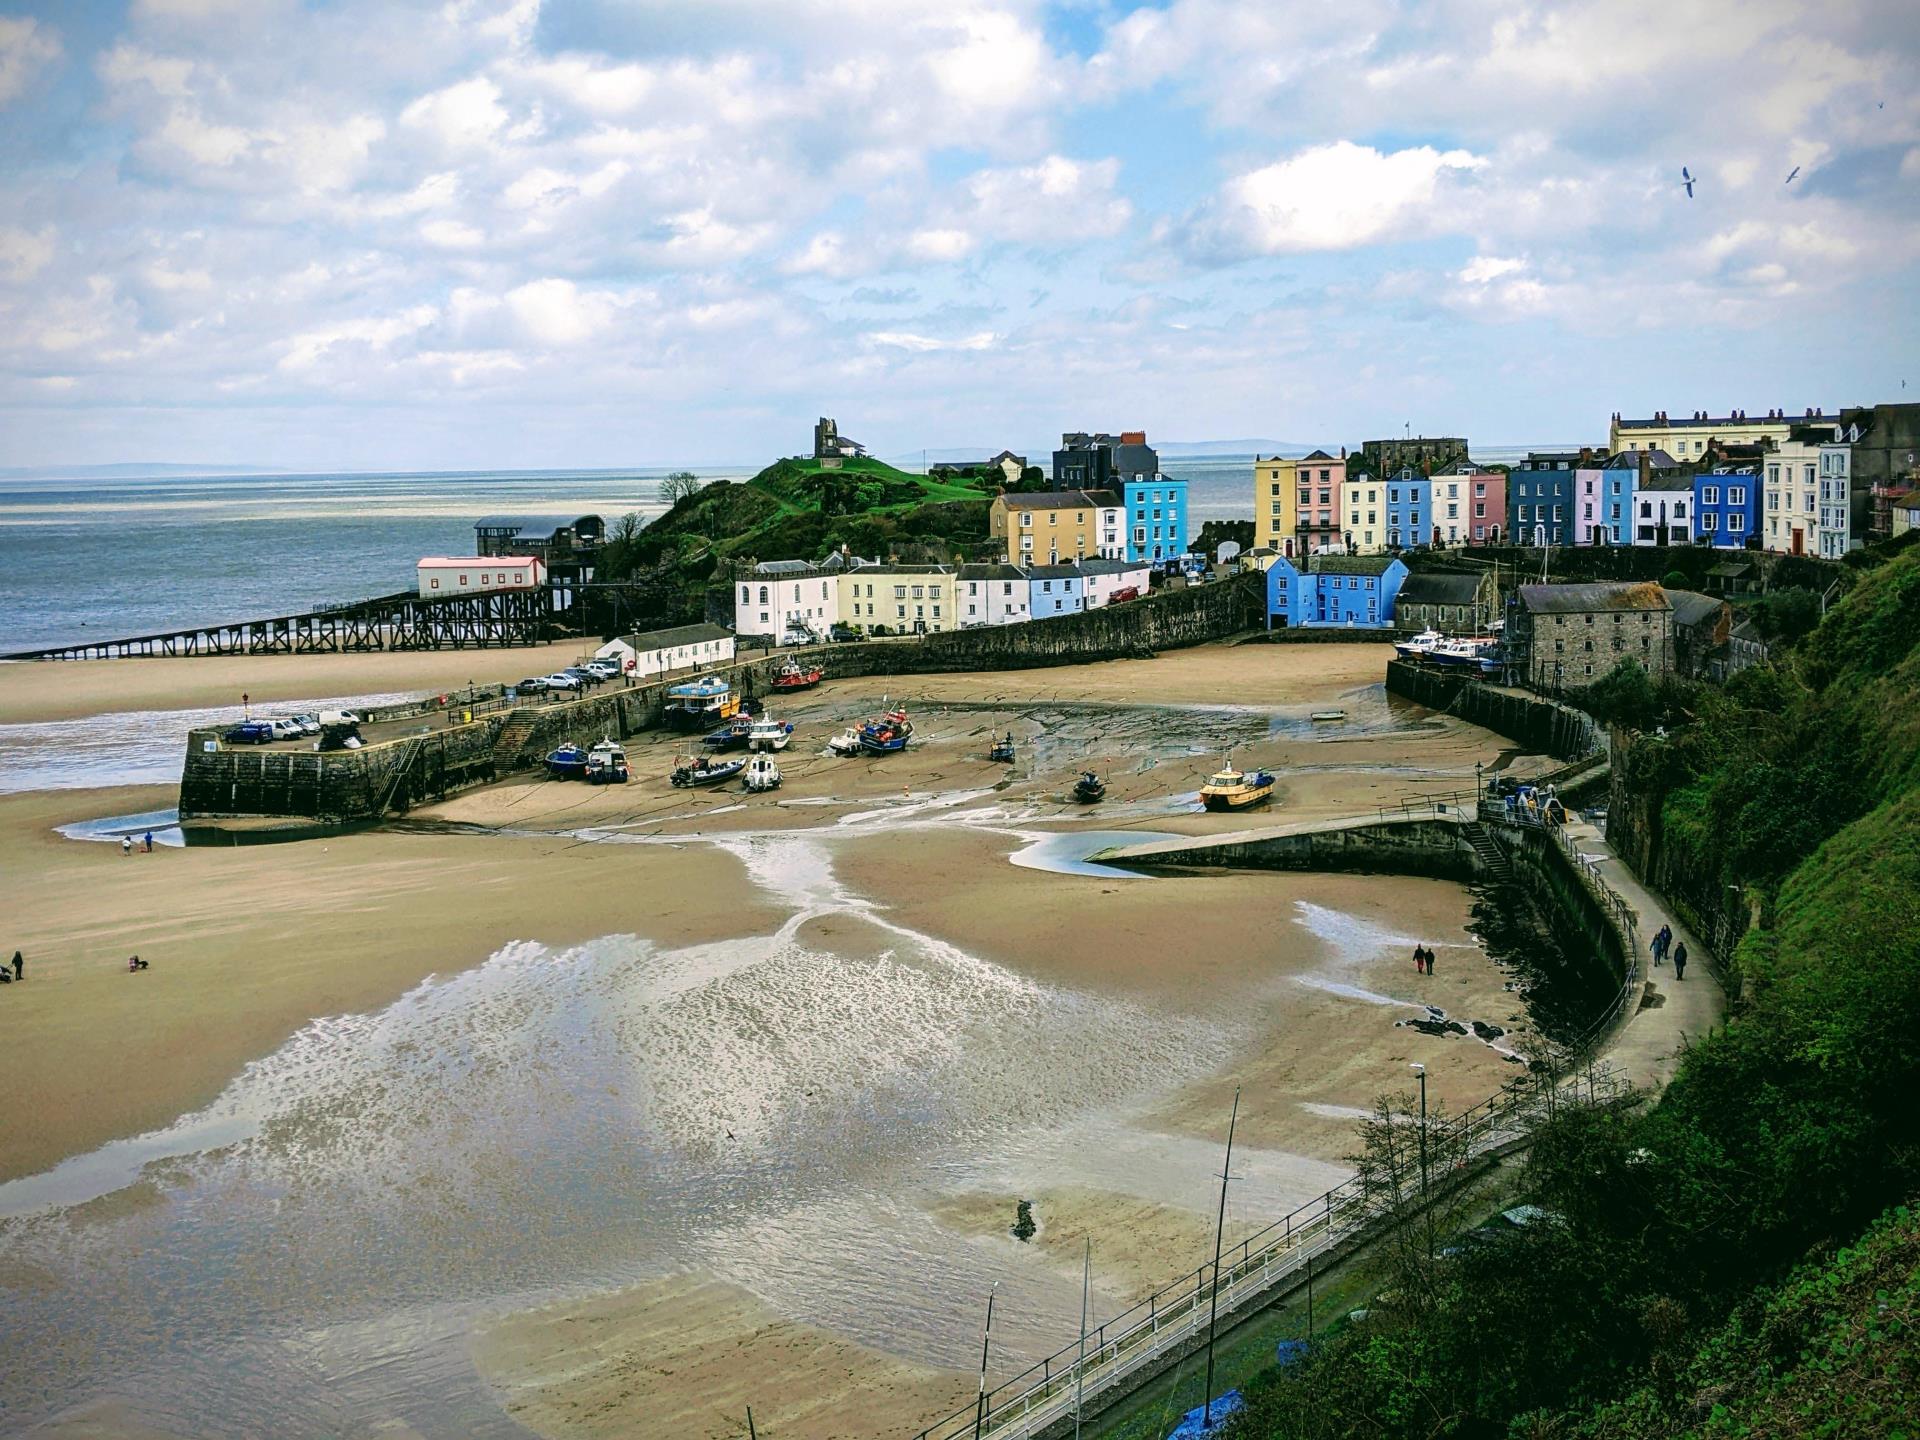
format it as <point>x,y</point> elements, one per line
<point>1409,510</point>
<point>1156,518</point>
<point>1726,506</point>
<point>1540,497</point>
<point>1621,478</point>
<point>1345,590</point>
<point>1055,590</point>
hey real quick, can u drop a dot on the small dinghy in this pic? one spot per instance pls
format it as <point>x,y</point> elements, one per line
<point>569,762</point>
<point>1002,750</point>
<point>704,770</point>
<point>847,742</point>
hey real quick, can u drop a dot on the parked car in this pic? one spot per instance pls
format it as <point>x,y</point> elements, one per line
<point>560,680</point>
<point>251,732</point>
<point>798,637</point>
<point>605,669</point>
<point>532,685</point>
<point>841,633</point>
<point>309,724</point>
<point>284,729</point>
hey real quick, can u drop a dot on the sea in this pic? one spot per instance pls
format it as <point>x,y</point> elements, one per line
<point>89,559</point>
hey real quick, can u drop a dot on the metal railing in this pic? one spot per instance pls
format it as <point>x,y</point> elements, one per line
<point>1176,1314</point>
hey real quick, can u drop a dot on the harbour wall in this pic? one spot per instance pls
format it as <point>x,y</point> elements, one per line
<point>1542,725</point>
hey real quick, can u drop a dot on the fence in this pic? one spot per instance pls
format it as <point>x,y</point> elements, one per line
<point>1176,1314</point>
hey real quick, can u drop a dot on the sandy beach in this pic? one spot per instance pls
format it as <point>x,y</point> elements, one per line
<point>875,992</point>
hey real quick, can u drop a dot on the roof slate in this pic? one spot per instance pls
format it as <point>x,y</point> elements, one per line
<point>677,636</point>
<point>1351,564</point>
<point>1440,589</point>
<point>1690,607</point>
<point>1582,599</point>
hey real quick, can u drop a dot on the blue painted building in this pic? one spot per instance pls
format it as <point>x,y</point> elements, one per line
<point>1409,510</point>
<point>1156,518</point>
<point>1540,497</point>
<point>1055,590</point>
<point>1344,590</point>
<point>1620,481</point>
<point>1726,506</point>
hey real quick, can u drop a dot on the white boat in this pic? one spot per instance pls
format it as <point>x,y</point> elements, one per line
<point>762,774</point>
<point>607,764</point>
<point>847,742</point>
<point>769,734</point>
<point>1420,646</point>
<point>1474,652</point>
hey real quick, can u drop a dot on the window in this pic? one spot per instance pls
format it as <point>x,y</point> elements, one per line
<point>1709,494</point>
<point>433,584</point>
<point>1707,521</point>
<point>900,593</point>
<point>1736,523</point>
<point>1026,518</point>
<point>1736,494</point>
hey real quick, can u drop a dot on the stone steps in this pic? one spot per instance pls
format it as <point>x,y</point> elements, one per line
<point>1488,849</point>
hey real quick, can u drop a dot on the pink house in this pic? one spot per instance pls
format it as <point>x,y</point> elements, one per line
<point>1320,477</point>
<point>1469,506</point>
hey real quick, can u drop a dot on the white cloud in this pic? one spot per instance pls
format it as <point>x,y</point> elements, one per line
<point>466,115</point>
<point>1331,197</point>
<point>938,243</point>
<point>163,275</point>
<point>26,49</point>
<point>1483,268</point>
<point>374,334</point>
<point>922,344</point>
<point>128,67</point>
<point>452,235</point>
<point>24,253</point>
<point>1057,201</point>
<point>557,312</point>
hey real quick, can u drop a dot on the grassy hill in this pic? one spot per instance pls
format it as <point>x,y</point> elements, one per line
<point>795,509</point>
<point>1718,1265</point>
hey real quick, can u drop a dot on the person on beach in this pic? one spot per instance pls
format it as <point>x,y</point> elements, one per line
<point>1419,960</point>
<point>126,845</point>
<point>19,967</point>
<point>134,962</point>
<point>1429,960</point>
<point>148,842</point>
<point>1680,961</point>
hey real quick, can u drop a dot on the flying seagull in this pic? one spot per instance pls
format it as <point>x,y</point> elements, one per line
<point>1687,176</point>
<point>1796,171</point>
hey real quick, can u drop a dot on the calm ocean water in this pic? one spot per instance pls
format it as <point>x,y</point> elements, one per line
<point>104,558</point>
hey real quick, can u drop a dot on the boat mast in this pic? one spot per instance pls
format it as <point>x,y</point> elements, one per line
<point>986,1339</point>
<point>1219,1236</point>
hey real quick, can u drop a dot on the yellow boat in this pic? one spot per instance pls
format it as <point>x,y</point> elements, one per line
<point>1230,789</point>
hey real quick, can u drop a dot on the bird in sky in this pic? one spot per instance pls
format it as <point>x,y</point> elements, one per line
<point>1796,171</point>
<point>1687,177</point>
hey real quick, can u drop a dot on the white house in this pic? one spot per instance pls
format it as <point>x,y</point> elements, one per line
<point>991,595</point>
<point>1104,578</point>
<point>1110,523</point>
<point>1663,510</point>
<point>440,575</point>
<point>783,595</point>
<point>1055,590</point>
<point>659,652</point>
<point>1837,532</point>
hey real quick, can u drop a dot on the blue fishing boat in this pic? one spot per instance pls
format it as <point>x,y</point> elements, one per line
<point>703,770</point>
<point>887,734</point>
<point>730,736</point>
<point>569,762</point>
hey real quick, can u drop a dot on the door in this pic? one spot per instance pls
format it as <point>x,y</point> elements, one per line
<point>1799,542</point>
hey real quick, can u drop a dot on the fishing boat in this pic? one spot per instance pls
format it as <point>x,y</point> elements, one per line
<point>795,676</point>
<point>1231,789</point>
<point>762,774</point>
<point>696,704</point>
<point>1089,788</point>
<point>607,764</point>
<point>1472,652</point>
<point>769,734</point>
<point>704,770</point>
<point>847,742</point>
<point>1002,750</point>
<point>1420,646</point>
<point>569,762</point>
<point>887,734</point>
<point>731,736</point>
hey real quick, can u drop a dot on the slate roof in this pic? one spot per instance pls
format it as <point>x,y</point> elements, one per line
<point>1691,608</point>
<point>1584,599</point>
<point>1101,565</point>
<point>1316,456</point>
<point>1053,500</point>
<point>990,572</point>
<point>679,635</point>
<point>782,567</point>
<point>1053,572</point>
<point>1432,589</point>
<point>1351,564</point>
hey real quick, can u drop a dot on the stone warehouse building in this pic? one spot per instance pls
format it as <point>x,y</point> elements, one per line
<point>1561,637</point>
<point>1456,604</point>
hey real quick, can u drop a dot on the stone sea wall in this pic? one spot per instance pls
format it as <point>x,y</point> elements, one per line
<point>1542,725</point>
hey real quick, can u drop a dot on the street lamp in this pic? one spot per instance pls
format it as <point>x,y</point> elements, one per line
<point>1421,1071</point>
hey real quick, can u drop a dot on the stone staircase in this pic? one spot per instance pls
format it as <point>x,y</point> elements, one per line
<point>1492,858</point>
<point>512,739</point>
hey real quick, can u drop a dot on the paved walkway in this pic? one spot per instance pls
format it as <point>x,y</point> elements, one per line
<point>1646,1049</point>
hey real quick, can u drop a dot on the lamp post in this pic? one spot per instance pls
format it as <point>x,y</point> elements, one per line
<point>1421,1071</point>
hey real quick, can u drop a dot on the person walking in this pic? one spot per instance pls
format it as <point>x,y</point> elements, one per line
<point>1419,960</point>
<point>19,967</point>
<point>1429,960</point>
<point>126,845</point>
<point>1680,961</point>
<point>149,842</point>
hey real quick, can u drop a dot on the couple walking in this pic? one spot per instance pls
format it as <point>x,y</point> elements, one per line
<point>1422,960</point>
<point>1663,946</point>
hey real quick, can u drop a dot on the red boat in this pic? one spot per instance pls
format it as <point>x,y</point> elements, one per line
<point>793,677</point>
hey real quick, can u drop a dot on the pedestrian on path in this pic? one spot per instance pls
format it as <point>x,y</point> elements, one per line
<point>1680,961</point>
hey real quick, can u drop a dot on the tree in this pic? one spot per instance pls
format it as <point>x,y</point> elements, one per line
<point>680,485</point>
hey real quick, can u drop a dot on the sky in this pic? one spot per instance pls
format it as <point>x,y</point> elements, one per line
<point>361,234</point>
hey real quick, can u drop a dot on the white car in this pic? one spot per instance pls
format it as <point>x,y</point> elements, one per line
<point>605,669</point>
<point>563,681</point>
<point>286,729</point>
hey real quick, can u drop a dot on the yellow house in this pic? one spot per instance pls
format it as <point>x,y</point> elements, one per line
<point>1052,527</point>
<point>1686,437</point>
<point>1275,514</point>
<point>905,599</point>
